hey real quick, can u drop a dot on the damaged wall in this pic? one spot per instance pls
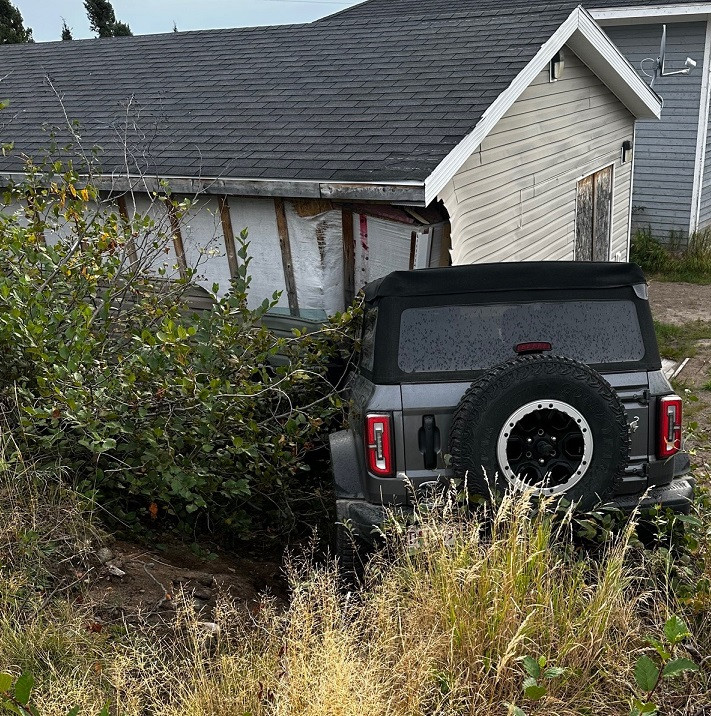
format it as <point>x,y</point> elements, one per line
<point>306,252</point>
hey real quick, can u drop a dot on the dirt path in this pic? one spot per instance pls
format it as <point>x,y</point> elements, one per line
<point>680,304</point>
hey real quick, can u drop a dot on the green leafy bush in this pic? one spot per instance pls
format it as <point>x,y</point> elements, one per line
<point>160,412</point>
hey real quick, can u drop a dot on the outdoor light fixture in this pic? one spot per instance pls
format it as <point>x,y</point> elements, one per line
<point>557,66</point>
<point>626,150</point>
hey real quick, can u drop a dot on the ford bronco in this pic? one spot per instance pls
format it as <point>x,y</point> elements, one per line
<point>536,376</point>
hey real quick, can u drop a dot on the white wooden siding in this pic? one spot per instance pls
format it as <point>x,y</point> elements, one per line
<point>514,199</point>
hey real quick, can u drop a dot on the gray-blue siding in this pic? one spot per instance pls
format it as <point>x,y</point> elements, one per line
<point>665,150</point>
<point>705,206</point>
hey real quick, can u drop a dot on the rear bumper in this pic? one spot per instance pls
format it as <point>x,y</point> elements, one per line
<point>676,496</point>
<point>366,518</point>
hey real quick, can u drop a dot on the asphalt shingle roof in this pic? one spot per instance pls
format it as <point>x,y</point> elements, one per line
<point>381,92</point>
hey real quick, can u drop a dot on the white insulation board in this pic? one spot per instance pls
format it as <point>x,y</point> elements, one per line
<point>258,216</point>
<point>204,244</point>
<point>317,255</point>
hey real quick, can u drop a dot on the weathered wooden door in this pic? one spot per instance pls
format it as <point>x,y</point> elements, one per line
<point>594,217</point>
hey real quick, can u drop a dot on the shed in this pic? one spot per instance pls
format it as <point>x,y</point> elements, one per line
<point>350,147</point>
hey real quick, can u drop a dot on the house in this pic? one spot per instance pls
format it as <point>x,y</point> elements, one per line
<point>355,145</point>
<point>672,181</point>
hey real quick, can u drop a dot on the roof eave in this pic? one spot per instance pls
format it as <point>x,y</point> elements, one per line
<point>585,37</point>
<point>679,12</point>
<point>410,193</point>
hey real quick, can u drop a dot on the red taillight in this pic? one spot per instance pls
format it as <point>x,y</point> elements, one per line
<point>669,426</point>
<point>379,444</point>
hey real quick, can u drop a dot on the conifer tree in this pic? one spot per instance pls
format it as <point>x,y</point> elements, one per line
<point>12,27</point>
<point>102,19</point>
<point>66,31</point>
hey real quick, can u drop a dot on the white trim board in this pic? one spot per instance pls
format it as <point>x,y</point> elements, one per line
<point>701,137</point>
<point>584,37</point>
<point>658,13</point>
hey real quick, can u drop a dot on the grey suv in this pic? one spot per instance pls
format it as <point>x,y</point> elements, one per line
<point>540,376</point>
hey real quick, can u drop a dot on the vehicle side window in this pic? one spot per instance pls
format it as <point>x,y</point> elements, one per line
<point>367,354</point>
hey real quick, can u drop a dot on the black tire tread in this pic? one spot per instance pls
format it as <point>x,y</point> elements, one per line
<point>483,391</point>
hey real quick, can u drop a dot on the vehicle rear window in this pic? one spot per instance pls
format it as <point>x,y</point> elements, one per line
<point>459,338</point>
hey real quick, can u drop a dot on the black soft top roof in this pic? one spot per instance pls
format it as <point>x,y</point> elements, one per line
<point>490,278</point>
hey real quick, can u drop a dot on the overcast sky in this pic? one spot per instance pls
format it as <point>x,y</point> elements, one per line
<point>149,16</point>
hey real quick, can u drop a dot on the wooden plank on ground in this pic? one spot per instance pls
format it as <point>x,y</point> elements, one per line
<point>283,230</point>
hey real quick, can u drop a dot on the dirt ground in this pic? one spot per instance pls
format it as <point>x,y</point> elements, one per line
<point>134,583</point>
<point>679,304</point>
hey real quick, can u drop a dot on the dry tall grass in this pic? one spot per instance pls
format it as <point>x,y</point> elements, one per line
<point>436,632</point>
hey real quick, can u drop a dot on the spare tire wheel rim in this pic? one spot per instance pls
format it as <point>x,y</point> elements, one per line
<point>545,447</point>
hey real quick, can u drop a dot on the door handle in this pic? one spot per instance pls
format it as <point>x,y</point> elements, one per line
<point>429,442</point>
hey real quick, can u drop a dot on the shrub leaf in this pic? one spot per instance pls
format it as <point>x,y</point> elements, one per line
<point>23,688</point>
<point>678,666</point>
<point>646,673</point>
<point>532,667</point>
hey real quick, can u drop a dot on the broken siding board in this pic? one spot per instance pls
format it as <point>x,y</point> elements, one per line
<point>497,198</point>
<point>502,161</point>
<point>496,195</point>
<point>287,261</point>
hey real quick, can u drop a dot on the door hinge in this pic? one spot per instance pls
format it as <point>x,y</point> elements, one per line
<point>644,397</point>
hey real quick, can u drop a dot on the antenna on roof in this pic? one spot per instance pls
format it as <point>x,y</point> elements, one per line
<point>660,69</point>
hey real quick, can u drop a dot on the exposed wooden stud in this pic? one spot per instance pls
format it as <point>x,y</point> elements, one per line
<point>413,249</point>
<point>130,242</point>
<point>177,238</point>
<point>416,216</point>
<point>445,255</point>
<point>229,235</point>
<point>348,257</point>
<point>283,230</point>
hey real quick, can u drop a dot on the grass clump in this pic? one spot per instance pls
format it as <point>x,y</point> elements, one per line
<point>675,260</point>
<point>677,342</point>
<point>442,631</point>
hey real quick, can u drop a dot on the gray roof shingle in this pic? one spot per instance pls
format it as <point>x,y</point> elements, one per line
<point>380,92</point>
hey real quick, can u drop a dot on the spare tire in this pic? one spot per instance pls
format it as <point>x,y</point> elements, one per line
<point>543,423</point>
